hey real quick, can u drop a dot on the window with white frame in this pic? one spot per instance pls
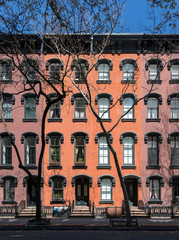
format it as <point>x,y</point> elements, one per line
<point>54,153</point>
<point>103,108</point>
<point>30,108</point>
<point>103,151</point>
<point>54,71</point>
<point>103,72</point>
<point>174,108</point>
<point>127,104</point>
<point>154,74</point>
<point>55,111</point>
<point>106,189</point>
<point>7,107</point>
<point>6,151</point>
<point>128,150</point>
<point>80,108</point>
<point>152,108</point>
<point>30,150</point>
<point>128,72</point>
<point>175,72</point>
<point>154,189</point>
<point>6,71</point>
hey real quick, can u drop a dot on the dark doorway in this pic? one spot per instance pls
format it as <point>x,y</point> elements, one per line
<point>176,191</point>
<point>82,192</point>
<point>131,187</point>
<point>31,195</point>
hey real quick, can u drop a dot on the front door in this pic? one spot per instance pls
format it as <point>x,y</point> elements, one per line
<point>31,196</point>
<point>82,192</point>
<point>131,187</point>
<point>176,191</point>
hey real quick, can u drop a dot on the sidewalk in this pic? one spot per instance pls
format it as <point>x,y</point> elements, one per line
<point>87,224</point>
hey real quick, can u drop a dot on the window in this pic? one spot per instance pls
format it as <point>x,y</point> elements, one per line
<point>54,150</point>
<point>154,66</point>
<point>175,150</point>
<point>128,72</point>
<point>175,108</point>
<point>106,189</point>
<point>103,151</point>
<point>6,151</point>
<point>57,189</point>
<point>80,150</point>
<point>30,108</point>
<point>30,151</point>
<point>127,104</point>
<point>175,72</point>
<point>80,72</point>
<point>7,106</point>
<point>152,111</point>
<point>103,108</point>
<point>6,72</point>
<point>54,71</point>
<point>128,150</point>
<point>154,189</point>
<point>30,70</point>
<point>153,151</point>
<point>80,108</point>
<point>55,110</point>
<point>103,72</point>
<point>9,190</point>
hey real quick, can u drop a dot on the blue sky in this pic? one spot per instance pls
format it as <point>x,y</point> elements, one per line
<point>135,12</point>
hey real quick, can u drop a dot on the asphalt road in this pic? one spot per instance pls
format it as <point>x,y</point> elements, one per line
<point>89,235</point>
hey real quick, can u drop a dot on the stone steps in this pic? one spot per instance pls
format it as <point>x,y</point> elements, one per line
<point>81,212</point>
<point>28,212</point>
<point>136,212</point>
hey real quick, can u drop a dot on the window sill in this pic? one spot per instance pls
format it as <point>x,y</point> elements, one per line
<point>54,167</point>
<point>174,167</point>
<point>128,167</point>
<point>176,81</point>
<point>128,120</point>
<point>79,120</point>
<point>153,120</point>
<point>7,120</point>
<point>104,120</point>
<point>104,167</point>
<point>6,81</point>
<point>153,167</point>
<point>154,81</point>
<point>103,81</point>
<point>9,202</point>
<point>31,167</point>
<point>54,120</point>
<point>106,202</point>
<point>174,120</point>
<point>57,201</point>
<point>7,167</point>
<point>30,120</point>
<point>79,167</point>
<point>80,81</point>
<point>155,202</point>
<point>128,81</point>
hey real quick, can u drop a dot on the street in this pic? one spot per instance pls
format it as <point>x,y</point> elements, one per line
<point>89,235</point>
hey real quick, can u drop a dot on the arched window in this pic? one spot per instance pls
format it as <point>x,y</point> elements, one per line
<point>152,140</point>
<point>155,183</point>
<point>29,100</point>
<point>173,67</point>
<point>173,101</point>
<point>173,140</point>
<point>30,69</point>
<point>8,101</point>
<point>153,101</point>
<point>104,66</point>
<point>128,139</point>
<point>54,66</point>
<point>58,183</point>
<point>6,150</point>
<point>129,66</point>
<point>104,100</point>
<point>154,66</point>
<point>79,103</point>
<point>9,183</point>
<point>106,182</point>
<point>6,70</point>
<point>79,139</point>
<point>80,67</point>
